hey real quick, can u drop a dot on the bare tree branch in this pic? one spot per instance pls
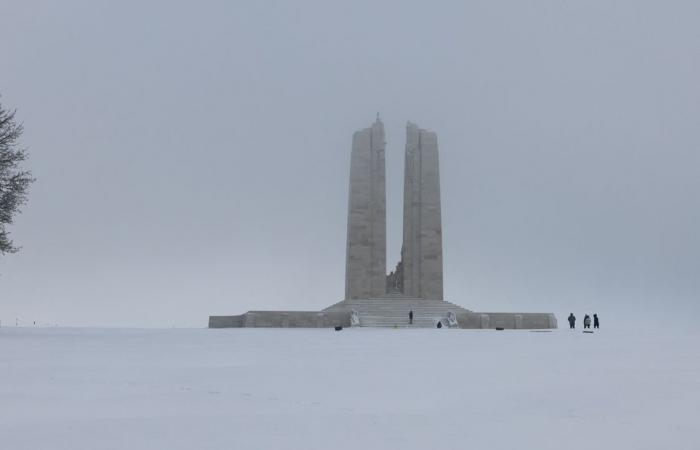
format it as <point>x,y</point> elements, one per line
<point>14,181</point>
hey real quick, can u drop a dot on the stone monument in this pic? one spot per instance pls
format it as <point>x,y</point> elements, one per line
<point>421,253</point>
<point>373,298</point>
<point>365,263</point>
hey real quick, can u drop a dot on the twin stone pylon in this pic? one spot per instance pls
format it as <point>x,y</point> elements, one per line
<point>419,273</point>
<point>373,299</point>
<point>365,270</point>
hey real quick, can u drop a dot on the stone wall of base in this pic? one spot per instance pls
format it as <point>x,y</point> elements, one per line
<point>226,321</point>
<point>282,319</point>
<point>328,319</point>
<point>508,321</point>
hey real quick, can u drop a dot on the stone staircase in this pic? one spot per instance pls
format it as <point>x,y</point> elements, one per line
<point>392,311</point>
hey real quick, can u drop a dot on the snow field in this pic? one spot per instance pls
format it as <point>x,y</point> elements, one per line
<point>359,388</point>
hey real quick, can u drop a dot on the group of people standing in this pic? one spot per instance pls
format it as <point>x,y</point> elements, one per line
<point>586,321</point>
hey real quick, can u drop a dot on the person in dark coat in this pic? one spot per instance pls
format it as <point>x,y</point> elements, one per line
<point>572,321</point>
<point>587,321</point>
<point>596,322</point>
<point>410,317</point>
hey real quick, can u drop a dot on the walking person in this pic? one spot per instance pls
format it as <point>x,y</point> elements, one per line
<point>572,321</point>
<point>410,317</point>
<point>596,322</point>
<point>587,321</point>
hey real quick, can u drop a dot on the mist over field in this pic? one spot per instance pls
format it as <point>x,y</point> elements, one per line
<point>192,159</point>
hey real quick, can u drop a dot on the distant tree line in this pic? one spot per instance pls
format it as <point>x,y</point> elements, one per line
<point>14,180</point>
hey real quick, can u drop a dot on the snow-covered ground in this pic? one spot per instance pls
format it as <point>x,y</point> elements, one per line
<point>361,388</point>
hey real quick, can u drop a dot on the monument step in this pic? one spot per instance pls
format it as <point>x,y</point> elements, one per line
<point>392,311</point>
<point>402,322</point>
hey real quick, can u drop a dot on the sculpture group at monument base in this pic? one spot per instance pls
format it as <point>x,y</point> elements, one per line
<point>387,312</point>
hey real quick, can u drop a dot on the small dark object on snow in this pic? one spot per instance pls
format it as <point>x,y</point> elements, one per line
<point>500,328</point>
<point>439,325</point>
<point>338,328</point>
<point>588,332</point>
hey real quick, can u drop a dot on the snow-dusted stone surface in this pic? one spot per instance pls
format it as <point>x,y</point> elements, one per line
<point>311,389</point>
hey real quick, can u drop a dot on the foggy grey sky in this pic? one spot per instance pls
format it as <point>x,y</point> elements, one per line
<point>193,159</point>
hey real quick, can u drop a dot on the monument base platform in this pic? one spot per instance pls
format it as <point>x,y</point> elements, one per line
<point>391,311</point>
<point>282,319</point>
